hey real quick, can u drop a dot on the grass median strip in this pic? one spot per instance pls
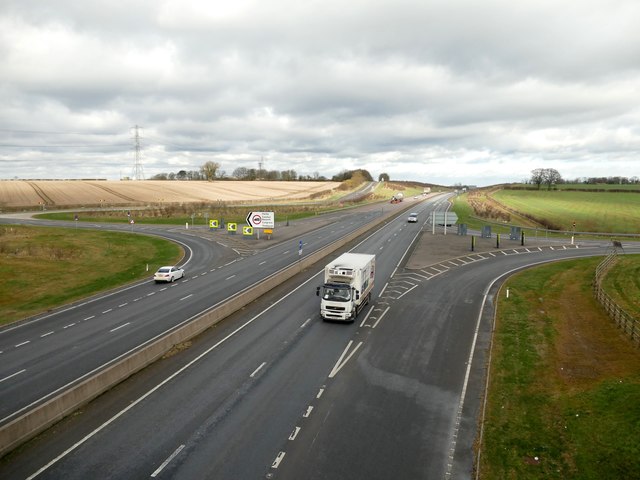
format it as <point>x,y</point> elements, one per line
<point>53,266</point>
<point>564,391</point>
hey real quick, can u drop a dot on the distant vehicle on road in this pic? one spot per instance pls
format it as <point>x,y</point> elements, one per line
<point>168,274</point>
<point>413,217</point>
<point>397,198</point>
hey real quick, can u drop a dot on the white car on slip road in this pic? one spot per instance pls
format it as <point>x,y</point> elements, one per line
<point>168,274</point>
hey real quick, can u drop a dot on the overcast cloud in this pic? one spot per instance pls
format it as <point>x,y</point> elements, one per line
<point>437,91</point>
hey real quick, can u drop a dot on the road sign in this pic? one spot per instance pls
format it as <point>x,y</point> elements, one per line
<point>261,219</point>
<point>442,218</point>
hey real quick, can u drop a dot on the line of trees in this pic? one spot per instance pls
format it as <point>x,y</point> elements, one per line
<point>551,177</point>
<point>606,180</point>
<point>211,171</point>
<point>546,176</point>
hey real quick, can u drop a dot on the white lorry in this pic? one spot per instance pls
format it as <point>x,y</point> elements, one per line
<point>348,282</point>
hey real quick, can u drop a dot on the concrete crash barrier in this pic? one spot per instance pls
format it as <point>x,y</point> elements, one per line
<point>43,416</point>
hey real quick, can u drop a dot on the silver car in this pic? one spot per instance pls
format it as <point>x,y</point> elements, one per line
<point>168,274</point>
<point>413,217</point>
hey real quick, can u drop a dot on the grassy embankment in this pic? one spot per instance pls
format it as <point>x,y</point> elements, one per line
<point>564,391</point>
<point>605,212</point>
<point>53,266</point>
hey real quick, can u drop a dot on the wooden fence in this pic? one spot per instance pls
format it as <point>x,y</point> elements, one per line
<point>627,323</point>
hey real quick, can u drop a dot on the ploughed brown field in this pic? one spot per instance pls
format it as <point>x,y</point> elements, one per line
<point>61,193</point>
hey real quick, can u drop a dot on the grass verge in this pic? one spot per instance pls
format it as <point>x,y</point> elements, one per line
<point>49,267</point>
<point>622,283</point>
<point>564,391</point>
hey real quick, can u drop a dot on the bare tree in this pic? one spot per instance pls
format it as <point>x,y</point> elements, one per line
<point>537,177</point>
<point>209,170</point>
<point>551,177</point>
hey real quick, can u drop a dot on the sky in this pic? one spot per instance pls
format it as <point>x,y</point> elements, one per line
<point>446,92</point>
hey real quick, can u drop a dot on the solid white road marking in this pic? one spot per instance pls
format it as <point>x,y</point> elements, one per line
<point>379,319</point>
<point>167,461</point>
<point>406,292</point>
<point>366,316</point>
<point>257,369</point>
<point>340,363</point>
<point>121,326</point>
<point>12,375</point>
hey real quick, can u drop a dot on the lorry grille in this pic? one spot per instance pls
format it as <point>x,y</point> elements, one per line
<point>335,309</point>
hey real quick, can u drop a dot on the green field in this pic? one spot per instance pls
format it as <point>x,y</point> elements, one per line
<point>628,187</point>
<point>564,391</point>
<point>597,212</point>
<point>591,211</point>
<point>53,266</point>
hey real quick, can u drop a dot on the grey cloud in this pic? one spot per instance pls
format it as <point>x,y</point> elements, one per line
<point>412,88</point>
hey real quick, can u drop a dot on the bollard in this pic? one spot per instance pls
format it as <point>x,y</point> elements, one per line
<point>473,243</point>
<point>497,240</point>
<point>522,242</point>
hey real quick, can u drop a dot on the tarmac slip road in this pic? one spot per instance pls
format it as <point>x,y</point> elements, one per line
<point>406,404</point>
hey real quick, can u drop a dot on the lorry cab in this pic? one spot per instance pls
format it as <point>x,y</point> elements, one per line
<point>337,292</point>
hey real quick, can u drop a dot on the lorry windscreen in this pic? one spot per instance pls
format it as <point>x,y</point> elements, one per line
<point>336,294</point>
